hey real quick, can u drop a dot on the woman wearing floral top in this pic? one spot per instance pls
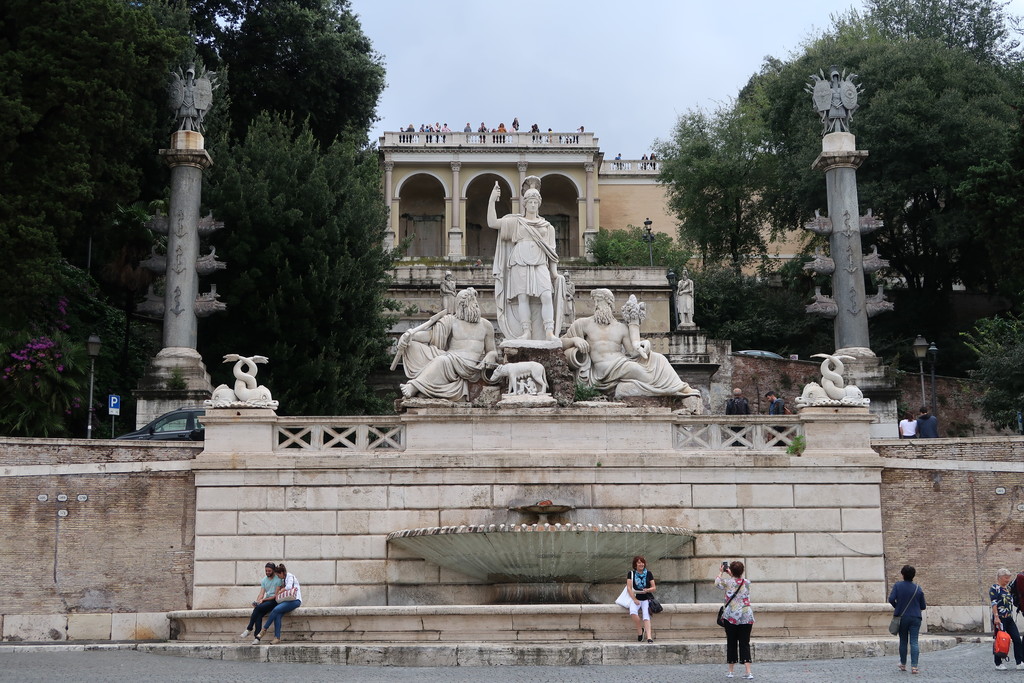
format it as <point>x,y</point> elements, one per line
<point>738,615</point>
<point>1002,616</point>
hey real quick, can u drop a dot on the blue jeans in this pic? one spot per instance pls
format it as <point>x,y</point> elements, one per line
<point>258,612</point>
<point>1010,626</point>
<point>275,615</point>
<point>909,628</point>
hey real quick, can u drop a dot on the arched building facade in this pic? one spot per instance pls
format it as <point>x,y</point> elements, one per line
<point>437,186</point>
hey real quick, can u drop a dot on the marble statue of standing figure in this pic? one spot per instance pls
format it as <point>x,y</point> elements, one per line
<point>570,298</point>
<point>835,99</point>
<point>528,290</point>
<point>443,355</point>
<point>448,292</point>
<point>684,300</point>
<point>606,353</point>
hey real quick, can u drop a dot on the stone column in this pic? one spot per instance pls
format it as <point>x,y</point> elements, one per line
<point>517,206</point>
<point>187,166</point>
<point>590,231</point>
<point>839,159</point>
<point>456,245</point>
<point>389,234</point>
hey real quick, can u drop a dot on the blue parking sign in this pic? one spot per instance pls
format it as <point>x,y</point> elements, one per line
<point>114,404</point>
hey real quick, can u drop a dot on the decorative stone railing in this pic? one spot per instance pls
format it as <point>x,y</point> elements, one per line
<point>318,436</point>
<point>732,434</point>
<point>610,430</point>
<point>630,167</point>
<point>487,140</point>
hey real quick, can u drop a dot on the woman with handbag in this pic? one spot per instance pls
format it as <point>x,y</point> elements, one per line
<point>1002,618</point>
<point>289,597</point>
<point>907,600</point>
<point>640,584</point>
<point>737,614</point>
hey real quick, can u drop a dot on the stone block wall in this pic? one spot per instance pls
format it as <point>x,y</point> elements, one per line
<point>953,508</point>
<point>808,532</point>
<point>94,530</point>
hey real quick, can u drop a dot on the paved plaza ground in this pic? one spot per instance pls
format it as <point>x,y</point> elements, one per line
<point>965,662</point>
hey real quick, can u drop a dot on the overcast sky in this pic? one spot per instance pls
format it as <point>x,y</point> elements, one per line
<point>624,69</point>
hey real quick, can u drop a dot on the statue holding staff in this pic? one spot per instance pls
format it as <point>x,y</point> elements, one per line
<point>528,291</point>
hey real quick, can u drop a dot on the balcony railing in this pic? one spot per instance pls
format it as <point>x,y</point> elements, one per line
<point>736,435</point>
<point>487,140</point>
<point>630,167</point>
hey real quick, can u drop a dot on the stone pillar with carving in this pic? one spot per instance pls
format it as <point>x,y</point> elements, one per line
<point>835,99</point>
<point>177,375</point>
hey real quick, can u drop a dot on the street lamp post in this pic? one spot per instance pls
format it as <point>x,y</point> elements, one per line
<point>673,314</point>
<point>920,348</point>
<point>93,347</point>
<point>933,354</point>
<point>649,238</point>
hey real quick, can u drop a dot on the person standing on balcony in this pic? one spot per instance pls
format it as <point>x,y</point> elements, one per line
<point>927,425</point>
<point>515,124</point>
<point>738,404</point>
<point>468,128</point>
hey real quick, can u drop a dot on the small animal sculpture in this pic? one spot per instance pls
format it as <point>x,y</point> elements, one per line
<point>519,376</point>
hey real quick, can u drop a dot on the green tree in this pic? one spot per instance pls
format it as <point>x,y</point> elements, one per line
<point>629,247</point>
<point>308,58</point>
<point>929,113</point>
<point>81,92</point>
<point>999,343</point>
<point>307,272</point>
<point>992,192</point>
<point>716,169</point>
<point>755,315</point>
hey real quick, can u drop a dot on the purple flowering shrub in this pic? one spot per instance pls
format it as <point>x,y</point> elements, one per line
<point>41,385</point>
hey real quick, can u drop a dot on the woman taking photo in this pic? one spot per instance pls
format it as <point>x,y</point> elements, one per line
<point>907,600</point>
<point>289,597</point>
<point>640,584</point>
<point>738,615</point>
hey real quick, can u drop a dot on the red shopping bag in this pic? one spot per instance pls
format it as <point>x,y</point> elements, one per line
<point>1001,646</point>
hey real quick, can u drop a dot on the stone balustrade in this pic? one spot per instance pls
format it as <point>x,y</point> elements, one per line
<point>488,140</point>
<point>641,167</point>
<point>263,431</point>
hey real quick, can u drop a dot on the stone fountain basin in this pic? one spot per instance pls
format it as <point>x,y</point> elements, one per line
<point>537,553</point>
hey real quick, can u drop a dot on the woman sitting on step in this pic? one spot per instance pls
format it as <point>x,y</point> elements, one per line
<point>289,597</point>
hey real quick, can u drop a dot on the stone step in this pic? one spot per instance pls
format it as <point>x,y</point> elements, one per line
<point>662,652</point>
<point>531,623</point>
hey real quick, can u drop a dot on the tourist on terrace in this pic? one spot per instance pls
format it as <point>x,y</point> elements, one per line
<point>501,128</point>
<point>927,425</point>
<point>907,600</point>
<point>1002,617</point>
<point>515,124</point>
<point>640,584</point>
<point>535,128</point>
<point>468,128</point>
<point>908,426</point>
<point>738,615</point>
<point>482,128</point>
<point>289,597</point>
<point>265,601</point>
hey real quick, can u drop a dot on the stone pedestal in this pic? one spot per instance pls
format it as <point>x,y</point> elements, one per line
<point>561,384</point>
<point>175,378</point>
<point>875,380</point>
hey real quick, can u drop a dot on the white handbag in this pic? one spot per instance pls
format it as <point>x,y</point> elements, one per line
<point>624,600</point>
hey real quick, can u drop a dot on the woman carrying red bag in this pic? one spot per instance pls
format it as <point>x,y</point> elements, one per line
<point>1002,618</point>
